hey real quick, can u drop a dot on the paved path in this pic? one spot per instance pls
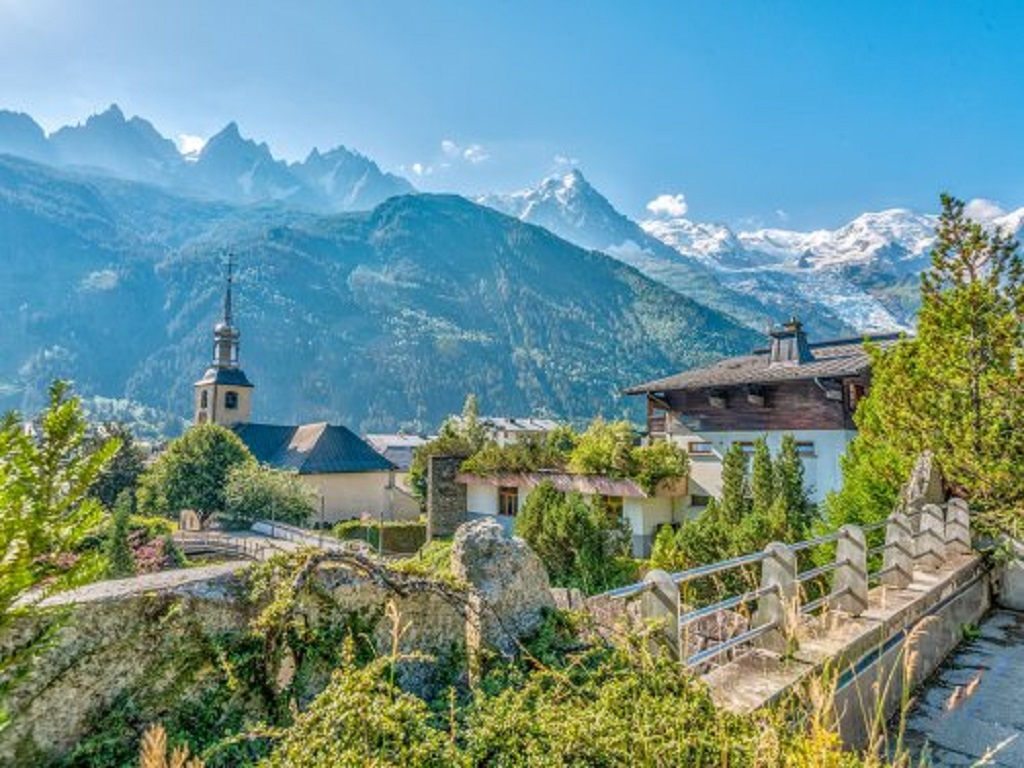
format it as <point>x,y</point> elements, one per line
<point>161,581</point>
<point>971,711</point>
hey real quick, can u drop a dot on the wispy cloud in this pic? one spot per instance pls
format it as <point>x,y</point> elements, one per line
<point>668,206</point>
<point>189,144</point>
<point>473,154</point>
<point>984,210</point>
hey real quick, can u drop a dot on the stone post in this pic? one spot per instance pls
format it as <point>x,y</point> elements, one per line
<point>930,544</point>
<point>898,558</point>
<point>781,606</point>
<point>851,577</point>
<point>958,527</point>
<point>446,497</point>
<point>661,603</point>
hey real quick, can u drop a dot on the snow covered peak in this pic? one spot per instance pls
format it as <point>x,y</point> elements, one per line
<point>896,234</point>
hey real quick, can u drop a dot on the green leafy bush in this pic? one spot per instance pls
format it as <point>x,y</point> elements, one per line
<point>258,492</point>
<point>192,473</point>
<point>580,544</point>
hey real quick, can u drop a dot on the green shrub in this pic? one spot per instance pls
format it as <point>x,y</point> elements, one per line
<point>258,492</point>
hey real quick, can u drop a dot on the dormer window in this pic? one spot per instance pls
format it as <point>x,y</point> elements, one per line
<point>231,400</point>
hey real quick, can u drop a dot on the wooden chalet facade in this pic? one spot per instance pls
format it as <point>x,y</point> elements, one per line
<point>810,390</point>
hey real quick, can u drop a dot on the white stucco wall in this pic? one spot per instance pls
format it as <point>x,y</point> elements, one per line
<point>821,471</point>
<point>355,494</point>
<point>642,514</point>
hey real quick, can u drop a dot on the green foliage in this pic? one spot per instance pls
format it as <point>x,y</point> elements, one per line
<point>954,389</point>
<point>434,560</point>
<point>735,498</point>
<point>582,707</point>
<point>606,448</point>
<point>192,473</point>
<point>760,504</point>
<point>654,463</point>
<point>45,511</point>
<point>362,719</point>
<point>579,543</point>
<point>120,559</point>
<point>123,470</point>
<point>528,454</point>
<point>790,490</point>
<point>258,492</point>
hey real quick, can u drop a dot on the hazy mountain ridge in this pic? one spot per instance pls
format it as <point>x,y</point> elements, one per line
<point>229,167</point>
<point>372,319</point>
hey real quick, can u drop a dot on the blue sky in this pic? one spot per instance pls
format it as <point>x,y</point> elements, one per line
<point>796,114</point>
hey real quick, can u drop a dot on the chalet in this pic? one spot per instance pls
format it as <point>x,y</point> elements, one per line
<point>348,476</point>
<point>810,390</point>
<point>502,496</point>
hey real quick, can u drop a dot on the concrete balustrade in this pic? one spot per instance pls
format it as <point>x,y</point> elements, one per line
<point>958,527</point>
<point>930,543</point>
<point>898,558</point>
<point>850,585</point>
<point>780,606</point>
<point>942,532</point>
<point>660,603</point>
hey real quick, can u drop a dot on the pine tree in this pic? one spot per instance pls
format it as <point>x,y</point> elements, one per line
<point>957,388</point>
<point>120,559</point>
<point>797,508</point>
<point>735,500</point>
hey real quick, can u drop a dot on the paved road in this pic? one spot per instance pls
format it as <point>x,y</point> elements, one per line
<point>971,712</point>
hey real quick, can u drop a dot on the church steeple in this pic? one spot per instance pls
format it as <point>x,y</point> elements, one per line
<point>224,394</point>
<point>225,335</point>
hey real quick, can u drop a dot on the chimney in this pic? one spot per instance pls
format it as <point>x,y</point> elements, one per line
<point>789,345</point>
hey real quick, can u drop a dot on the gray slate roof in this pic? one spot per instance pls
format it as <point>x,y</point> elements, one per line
<point>231,376</point>
<point>832,359</point>
<point>311,449</point>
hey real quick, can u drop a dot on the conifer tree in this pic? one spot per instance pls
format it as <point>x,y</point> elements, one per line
<point>956,389</point>
<point>797,508</point>
<point>120,559</point>
<point>735,501</point>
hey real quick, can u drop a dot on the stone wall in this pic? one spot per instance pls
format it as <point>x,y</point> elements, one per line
<point>446,497</point>
<point>68,660</point>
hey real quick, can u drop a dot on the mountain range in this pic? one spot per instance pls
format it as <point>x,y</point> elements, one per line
<point>366,302</point>
<point>229,167</point>
<point>377,319</point>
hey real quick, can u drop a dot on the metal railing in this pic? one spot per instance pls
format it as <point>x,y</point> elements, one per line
<point>924,540</point>
<point>199,541</point>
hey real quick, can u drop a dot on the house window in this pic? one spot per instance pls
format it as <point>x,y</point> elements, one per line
<point>231,400</point>
<point>747,446</point>
<point>204,399</point>
<point>612,507</point>
<point>508,501</point>
<point>805,448</point>
<point>700,448</point>
<point>699,500</point>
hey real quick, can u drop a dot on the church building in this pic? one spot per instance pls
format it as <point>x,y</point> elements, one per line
<point>350,478</point>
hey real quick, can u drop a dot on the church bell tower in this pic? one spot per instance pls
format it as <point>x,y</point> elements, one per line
<point>224,395</point>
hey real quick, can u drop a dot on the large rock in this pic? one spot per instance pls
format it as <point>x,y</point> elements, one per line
<point>510,589</point>
<point>925,486</point>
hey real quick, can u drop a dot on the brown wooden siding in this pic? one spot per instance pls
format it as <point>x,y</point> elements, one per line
<point>791,405</point>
